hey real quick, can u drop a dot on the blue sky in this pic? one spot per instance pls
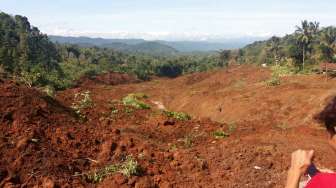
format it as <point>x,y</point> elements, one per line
<point>171,19</point>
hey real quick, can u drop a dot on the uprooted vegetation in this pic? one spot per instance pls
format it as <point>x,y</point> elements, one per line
<point>134,100</point>
<point>128,168</point>
<point>82,100</point>
<point>177,115</point>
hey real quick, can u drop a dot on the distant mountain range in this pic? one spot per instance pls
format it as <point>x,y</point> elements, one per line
<point>156,47</point>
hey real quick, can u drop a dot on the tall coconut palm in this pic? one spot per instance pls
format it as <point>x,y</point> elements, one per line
<point>305,36</point>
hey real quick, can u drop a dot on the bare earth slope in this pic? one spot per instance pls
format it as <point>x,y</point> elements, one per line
<point>53,148</point>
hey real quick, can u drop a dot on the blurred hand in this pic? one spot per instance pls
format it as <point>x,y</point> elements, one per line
<point>301,159</point>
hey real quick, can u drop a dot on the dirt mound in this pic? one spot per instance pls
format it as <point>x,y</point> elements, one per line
<point>111,78</point>
<point>20,105</point>
<point>26,117</point>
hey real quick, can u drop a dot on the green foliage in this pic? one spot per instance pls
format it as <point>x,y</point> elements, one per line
<point>219,134</point>
<point>169,69</point>
<point>134,99</point>
<point>33,59</point>
<point>28,78</point>
<point>128,167</point>
<point>49,90</point>
<point>224,58</point>
<point>178,115</point>
<point>307,46</point>
<point>82,101</point>
<point>25,52</point>
<point>282,70</point>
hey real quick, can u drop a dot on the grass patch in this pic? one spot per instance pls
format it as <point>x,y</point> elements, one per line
<point>129,167</point>
<point>134,99</point>
<point>178,115</point>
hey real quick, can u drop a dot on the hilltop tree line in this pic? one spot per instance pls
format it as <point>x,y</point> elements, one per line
<point>308,46</point>
<point>29,56</point>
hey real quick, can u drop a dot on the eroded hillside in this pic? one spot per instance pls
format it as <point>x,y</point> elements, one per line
<point>240,135</point>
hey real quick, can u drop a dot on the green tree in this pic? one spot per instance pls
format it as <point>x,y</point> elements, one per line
<point>274,48</point>
<point>224,57</point>
<point>328,44</point>
<point>305,35</point>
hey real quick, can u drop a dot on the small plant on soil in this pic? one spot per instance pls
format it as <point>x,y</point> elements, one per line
<point>129,110</point>
<point>82,101</point>
<point>219,134</point>
<point>129,167</point>
<point>178,115</point>
<point>134,99</point>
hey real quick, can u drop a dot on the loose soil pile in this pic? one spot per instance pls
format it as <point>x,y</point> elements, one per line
<point>43,142</point>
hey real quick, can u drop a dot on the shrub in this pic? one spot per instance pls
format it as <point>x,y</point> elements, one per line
<point>133,99</point>
<point>178,115</point>
<point>283,70</point>
<point>169,69</point>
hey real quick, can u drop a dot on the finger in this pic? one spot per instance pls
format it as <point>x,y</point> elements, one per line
<point>311,154</point>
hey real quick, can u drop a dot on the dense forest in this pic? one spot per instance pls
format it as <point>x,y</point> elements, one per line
<point>29,56</point>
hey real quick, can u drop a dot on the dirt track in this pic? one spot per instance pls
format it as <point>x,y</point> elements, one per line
<point>44,143</point>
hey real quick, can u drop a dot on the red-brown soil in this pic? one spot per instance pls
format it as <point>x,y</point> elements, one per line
<point>44,143</point>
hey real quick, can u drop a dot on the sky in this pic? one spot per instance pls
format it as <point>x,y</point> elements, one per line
<point>171,19</point>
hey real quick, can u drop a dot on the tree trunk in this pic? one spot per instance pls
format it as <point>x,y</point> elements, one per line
<point>326,71</point>
<point>303,58</point>
<point>276,59</point>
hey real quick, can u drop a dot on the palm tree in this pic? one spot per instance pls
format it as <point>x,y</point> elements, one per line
<point>305,36</point>
<point>274,48</point>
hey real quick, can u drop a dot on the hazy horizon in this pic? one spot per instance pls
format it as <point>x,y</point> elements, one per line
<point>183,20</point>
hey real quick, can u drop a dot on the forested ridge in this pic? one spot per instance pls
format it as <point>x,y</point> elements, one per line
<point>28,56</point>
